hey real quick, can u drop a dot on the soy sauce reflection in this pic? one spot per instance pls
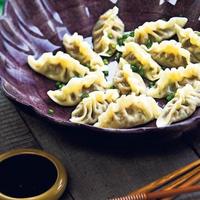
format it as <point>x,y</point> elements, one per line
<point>26,175</point>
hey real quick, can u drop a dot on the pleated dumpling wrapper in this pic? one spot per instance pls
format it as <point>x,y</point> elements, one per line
<point>127,81</point>
<point>106,31</point>
<point>60,67</point>
<point>89,109</point>
<point>159,30</point>
<point>169,54</point>
<point>135,55</point>
<point>182,106</point>
<point>190,40</point>
<point>129,111</point>
<point>174,78</point>
<point>82,51</point>
<point>72,93</point>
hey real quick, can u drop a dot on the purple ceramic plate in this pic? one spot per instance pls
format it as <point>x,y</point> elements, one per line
<point>37,26</point>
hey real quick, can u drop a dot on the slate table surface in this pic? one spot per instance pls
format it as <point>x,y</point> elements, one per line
<point>98,167</point>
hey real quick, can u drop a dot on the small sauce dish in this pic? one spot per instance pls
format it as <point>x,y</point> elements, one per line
<point>31,174</point>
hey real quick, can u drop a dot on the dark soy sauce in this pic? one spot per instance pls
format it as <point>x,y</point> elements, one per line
<point>26,175</point>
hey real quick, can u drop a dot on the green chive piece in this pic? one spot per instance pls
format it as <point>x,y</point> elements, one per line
<point>50,111</point>
<point>105,61</point>
<point>118,55</point>
<point>198,33</point>
<point>113,46</point>
<point>84,95</point>
<point>149,43</point>
<point>141,72</point>
<point>133,62</point>
<point>112,87</point>
<point>152,84</point>
<point>106,73</point>
<point>120,41</point>
<point>125,36</point>
<point>170,96</point>
<point>59,85</point>
<point>110,35</point>
<point>132,34</point>
<point>110,52</point>
<point>135,68</point>
<point>87,65</point>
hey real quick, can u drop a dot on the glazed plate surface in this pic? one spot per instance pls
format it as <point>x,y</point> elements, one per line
<point>37,26</point>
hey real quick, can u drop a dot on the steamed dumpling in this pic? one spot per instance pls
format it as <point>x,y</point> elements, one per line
<point>169,54</point>
<point>60,67</point>
<point>106,31</point>
<point>191,41</point>
<point>182,106</point>
<point>158,30</point>
<point>128,81</point>
<point>171,79</point>
<point>89,109</point>
<point>81,50</point>
<point>135,55</point>
<point>143,56</point>
<point>129,111</point>
<point>71,94</point>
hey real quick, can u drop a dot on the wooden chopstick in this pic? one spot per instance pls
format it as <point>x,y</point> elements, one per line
<point>160,194</point>
<point>184,180</point>
<point>193,180</point>
<point>166,179</point>
<point>173,192</point>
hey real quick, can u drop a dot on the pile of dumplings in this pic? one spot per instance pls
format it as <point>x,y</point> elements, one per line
<point>150,66</point>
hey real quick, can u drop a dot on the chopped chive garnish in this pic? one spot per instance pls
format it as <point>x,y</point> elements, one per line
<point>50,111</point>
<point>198,33</point>
<point>110,52</point>
<point>59,85</point>
<point>122,39</point>
<point>84,95</point>
<point>105,61</point>
<point>112,87</point>
<point>113,46</point>
<point>132,61</point>
<point>141,72</point>
<point>87,65</point>
<point>118,55</point>
<point>152,83</point>
<point>106,73</point>
<point>132,34</point>
<point>125,36</point>
<point>138,69</point>
<point>148,43</point>
<point>170,96</point>
<point>135,68</point>
<point>110,35</point>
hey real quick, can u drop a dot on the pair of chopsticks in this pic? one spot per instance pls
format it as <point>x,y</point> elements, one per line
<point>178,182</point>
